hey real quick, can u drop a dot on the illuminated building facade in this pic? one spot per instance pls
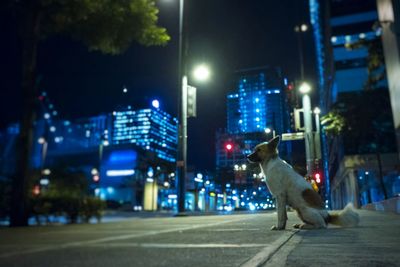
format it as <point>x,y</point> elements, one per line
<point>346,33</point>
<point>151,129</point>
<point>258,103</point>
<point>353,21</point>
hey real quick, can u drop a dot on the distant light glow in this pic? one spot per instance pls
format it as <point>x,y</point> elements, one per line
<point>52,129</point>
<point>317,110</point>
<point>96,178</point>
<point>41,140</point>
<point>155,103</point>
<point>46,116</point>
<point>46,171</point>
<point>150,180</point>
<point>196,179</point>
<point>94,171</point>
<point>44,181</point>
<point>112,173</point>
<point>110,190</point>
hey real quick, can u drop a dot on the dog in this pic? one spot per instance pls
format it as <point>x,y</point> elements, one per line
<point>290,188</point>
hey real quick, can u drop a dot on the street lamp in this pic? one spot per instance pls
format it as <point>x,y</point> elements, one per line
<point>201,72</point>
<point>305,89</point>
<point>300,29</point>
<point>317,139</point>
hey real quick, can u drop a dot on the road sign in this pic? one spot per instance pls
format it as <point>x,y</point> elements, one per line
<point>292,136</point>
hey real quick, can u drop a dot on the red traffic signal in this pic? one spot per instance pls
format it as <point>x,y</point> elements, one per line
<point>317,177</point>
<point>229,146</point>
<point>96,178</point>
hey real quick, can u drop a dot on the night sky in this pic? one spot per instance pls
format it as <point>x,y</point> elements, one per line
<point>228,35</point>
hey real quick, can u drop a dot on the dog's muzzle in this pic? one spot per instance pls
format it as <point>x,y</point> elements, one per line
<point>253,158</point>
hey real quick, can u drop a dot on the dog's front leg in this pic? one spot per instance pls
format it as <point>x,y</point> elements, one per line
<point>281,210</point>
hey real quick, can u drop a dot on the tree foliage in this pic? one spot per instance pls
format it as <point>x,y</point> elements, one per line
<point>66,194</point>
<point>106,25</point>
<point>364,119</point>
<point>333,123</point>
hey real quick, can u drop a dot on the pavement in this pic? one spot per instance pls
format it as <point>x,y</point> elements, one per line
<point>214,240</point>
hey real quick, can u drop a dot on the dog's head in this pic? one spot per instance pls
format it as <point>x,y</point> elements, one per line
<point>265,151</point>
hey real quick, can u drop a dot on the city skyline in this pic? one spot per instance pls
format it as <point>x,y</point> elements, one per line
<point>73,77</point>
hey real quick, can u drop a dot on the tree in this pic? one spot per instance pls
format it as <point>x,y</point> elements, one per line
<point>107,26</point>
<point>333,123</point>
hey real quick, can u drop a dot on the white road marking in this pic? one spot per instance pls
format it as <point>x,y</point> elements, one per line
<point>233,229</point>
<point>265,254</point>
<point>173,245</point>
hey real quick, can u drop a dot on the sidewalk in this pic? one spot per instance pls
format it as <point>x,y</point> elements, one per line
<point>375,242</point>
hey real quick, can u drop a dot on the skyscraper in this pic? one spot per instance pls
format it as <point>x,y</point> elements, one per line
<point>258,103</point>
<point>151,129</point>
<point>352,22</point>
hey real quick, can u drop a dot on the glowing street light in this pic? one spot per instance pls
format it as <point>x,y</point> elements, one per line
<point>201,73</point>
<point>305,88</point>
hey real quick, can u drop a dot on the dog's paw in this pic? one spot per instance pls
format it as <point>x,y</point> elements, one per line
<point>276,228</point>
<point>297,225</point>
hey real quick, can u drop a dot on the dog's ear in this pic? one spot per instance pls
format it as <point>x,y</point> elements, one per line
<point>274,142</point>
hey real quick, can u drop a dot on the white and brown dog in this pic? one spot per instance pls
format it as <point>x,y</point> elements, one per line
<point>289,188</point>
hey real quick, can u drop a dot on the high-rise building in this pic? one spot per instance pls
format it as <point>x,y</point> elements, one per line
<point>347,35</point>
<point>352,22</point>
<point>151,129</point>
<point>258,103</point>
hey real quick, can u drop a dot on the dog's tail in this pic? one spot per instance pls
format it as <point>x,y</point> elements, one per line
<point>345,218</point>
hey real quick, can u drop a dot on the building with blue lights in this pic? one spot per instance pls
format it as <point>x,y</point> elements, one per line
<point>346,33</point>
<point>259,102</point>
<point>116,151</point>
<point>352,22</point>
<point>150,129</point>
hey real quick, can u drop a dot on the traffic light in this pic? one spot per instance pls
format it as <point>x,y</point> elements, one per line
<point>317,177</point>
<point>96,178</point>
<point>228,147</point>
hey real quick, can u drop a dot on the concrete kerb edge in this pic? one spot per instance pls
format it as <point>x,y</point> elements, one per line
<point>268,252</point>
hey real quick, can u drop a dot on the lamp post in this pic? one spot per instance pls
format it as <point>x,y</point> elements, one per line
<point>299,29</point>
<point>317,138</point>
<point>182,139</point>
<point>305,89</point>
<point>200,73</point>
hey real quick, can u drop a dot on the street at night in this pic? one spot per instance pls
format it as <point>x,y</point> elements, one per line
<point>200,133</point>
<point>225,240</point>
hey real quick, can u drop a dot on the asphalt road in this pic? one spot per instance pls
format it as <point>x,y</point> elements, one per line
<point>228,240</point>
<point>218,240</point>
